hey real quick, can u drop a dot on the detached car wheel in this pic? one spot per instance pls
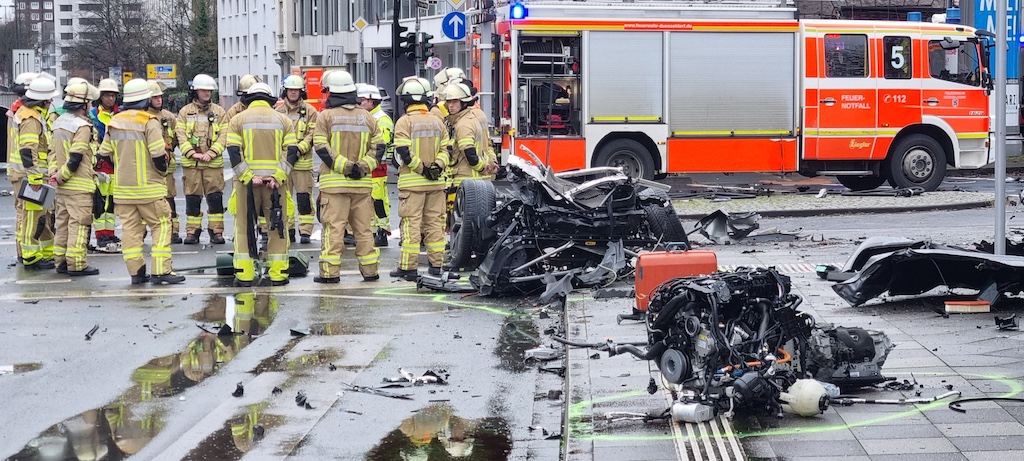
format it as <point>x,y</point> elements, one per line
<point>474,202</point>
<point>665,225</point>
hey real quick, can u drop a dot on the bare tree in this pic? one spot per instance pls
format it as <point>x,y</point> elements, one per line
<point>8,42</point>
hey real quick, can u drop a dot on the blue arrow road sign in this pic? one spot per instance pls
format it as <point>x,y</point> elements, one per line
<point>453,25</point>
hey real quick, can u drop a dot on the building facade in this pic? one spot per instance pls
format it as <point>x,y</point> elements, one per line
<point>36,17</point>
<point>245,39</point>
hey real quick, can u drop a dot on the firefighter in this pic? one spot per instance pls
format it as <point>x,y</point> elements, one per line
<point>103,206</point>
<point>167,124</point>
<point>486,149</point>
<point>349,143</point>
<point>244,83</point>
<point>300,181</point>
<point>441,80</point>
<point>468,148</point>
<point>256,137</point>
<point>370,99</point>
<point>200,130</point>
<point>35,235</point>
<point>421,146</point>
<point>71,172</point>
<point>135,145</point>
<point>14,171</point>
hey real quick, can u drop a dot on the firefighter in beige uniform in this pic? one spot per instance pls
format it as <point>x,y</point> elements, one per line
<point>168,123</point>
<point>244,83</point>
<point>258,138</point>
<point>15,173</point>
<point>300,180</point>
<point>349,143</point>
<point>487,153</point>
<point>421,145</point>
<point>71,172</point>
<point>468,153</point>
<point>201,133</point>
<point>370,99</point>
<point>36,237</point>
<point>135,145</point>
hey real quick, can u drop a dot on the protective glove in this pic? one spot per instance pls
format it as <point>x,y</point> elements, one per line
<point>356,172</point>
<point>432,172</point>
<point>404,155</point>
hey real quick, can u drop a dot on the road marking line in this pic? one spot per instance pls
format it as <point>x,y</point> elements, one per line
<point>42,282</point>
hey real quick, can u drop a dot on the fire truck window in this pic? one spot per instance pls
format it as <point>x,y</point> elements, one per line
<point>958,65</point>
<point>846,55</point>
<point>898,57</point>
<point>549,82</point>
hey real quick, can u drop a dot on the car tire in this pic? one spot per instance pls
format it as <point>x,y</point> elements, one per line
<point>859,183</point>
<point>631,156</point>
<point>665,225</point>
<point>474,202</point>
<point>917,160</point>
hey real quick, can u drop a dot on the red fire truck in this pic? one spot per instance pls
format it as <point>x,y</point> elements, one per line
<point>660,87</point>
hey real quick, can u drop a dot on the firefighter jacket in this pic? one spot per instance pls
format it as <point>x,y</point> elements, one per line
<point>33,143</point>
<point>234,110</point>
<point>485,147</point>
<point>264,136</point>
<point>440,111</point>
<point>100,119</point>
<point>303,117</point>
<point>168,123</point>
<point>71,155</point>
<point>201,128</point>
<point>350,135</point>
<point>427,139</point>
<point>467,135</point>
<point>133,140</point>
<point>14,171</point>
<point>387,131</point>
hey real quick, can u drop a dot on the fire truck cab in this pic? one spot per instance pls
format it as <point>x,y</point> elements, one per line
<point>685,87</point>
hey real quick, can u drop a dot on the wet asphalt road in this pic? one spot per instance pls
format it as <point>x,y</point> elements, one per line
<point>151,382</point>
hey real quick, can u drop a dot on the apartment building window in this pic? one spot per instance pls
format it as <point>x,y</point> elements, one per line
<point>34,5</point>
<point>48,16</point>
<point>89,7</point>
<point>21,5</point>
<point>296,14</point>
<point>66,22</point>
<point>67,36</point>
<point>66,7</point>
<point>315,29</point>
<point>35,16</point>
<point>47,5</point>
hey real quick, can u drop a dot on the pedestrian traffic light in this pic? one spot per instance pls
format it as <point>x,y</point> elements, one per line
<point>425,46</point>
<point>407,46</point>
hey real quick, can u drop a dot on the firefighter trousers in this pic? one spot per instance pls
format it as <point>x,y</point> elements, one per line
<point>200,183</point>
<point>354,210</point>
<point>422,216</point>
<point>301,183</point>
<point>381,205</point>
<point>172,192</point>
<point>135,218</point>
<point>73,216</point>
<point>277,248</point>
<point>104,223</point>
<point>36,235</point>
<point>19,216</point>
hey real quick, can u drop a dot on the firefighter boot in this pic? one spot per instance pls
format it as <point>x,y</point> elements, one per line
<point>169,278</point>
<point>408,275</point>
<point>216,237</point>
<point>140,277</point>
<point>193,238</point>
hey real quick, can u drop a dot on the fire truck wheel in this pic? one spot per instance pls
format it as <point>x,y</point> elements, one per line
<point>628,154</point>
<point>859,183</point>
<point>917,161</point>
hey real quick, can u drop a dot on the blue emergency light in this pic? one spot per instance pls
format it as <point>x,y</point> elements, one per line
<point>518,11</point>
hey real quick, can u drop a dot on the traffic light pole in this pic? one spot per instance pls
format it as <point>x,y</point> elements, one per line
<point>419,54</point>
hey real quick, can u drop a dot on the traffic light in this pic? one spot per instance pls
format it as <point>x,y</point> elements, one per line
<point>425,46</point>
<point>407,46</point>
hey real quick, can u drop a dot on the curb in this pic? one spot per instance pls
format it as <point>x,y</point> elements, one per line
<point>868,210</point>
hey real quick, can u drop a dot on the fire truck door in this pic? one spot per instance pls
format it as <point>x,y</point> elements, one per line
<point>899,91</point>
<point>847,100</point>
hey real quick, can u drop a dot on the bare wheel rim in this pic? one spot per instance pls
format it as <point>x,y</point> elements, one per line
<point>628,162</point>
<point>918,164</point>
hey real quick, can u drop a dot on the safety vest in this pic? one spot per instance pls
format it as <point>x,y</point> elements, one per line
<point>32,135</point>
<point>303,117</point>
<point>387,128</point>
<point>264,136</point>
<point>72,134</point>
<point>133,140</point>
<point>350,134</point>
<point>427,139</point>
<point>15,172</point>
<point>466,134</point>
<point>100,119</point>
<point>201,130</point>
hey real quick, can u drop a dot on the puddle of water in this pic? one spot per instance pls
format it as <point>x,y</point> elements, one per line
<point>121,428</point>
<point>239,435</point>
<point>19,368</point>
<point>517,335</point>
<point>436,433</point>
<point>315,359</point>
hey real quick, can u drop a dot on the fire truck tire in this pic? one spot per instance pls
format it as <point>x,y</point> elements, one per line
<point>665,225</point>
<point>859,183</point>
<point>917,161</point>
<point>632,156</point>
<point>474,202</point>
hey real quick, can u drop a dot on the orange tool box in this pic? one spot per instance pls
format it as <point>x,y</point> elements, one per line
<point>654,268</point>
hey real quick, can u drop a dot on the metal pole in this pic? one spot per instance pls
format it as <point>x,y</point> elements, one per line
<point>419,56</point>
<point>362,63</point>
<point>1000,128</point>
<point>394,58</point>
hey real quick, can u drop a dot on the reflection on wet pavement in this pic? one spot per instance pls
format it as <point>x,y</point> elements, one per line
<point>239,435</point>
<point>123,427</point>
<point>19,368</point>
<point>435,433</point>
<point>517,335</point>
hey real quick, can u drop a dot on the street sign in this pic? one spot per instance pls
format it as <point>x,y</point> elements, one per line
<point>360,24</point>
<point>125,76</point>
<point>115,73</point>
<point>24,61</point>
<point>455,3</point>
<point>161,71</point>
<point>434,62</point>
<point>453,25</point>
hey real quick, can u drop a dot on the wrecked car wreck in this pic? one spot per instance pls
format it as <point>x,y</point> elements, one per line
<point>573,228</point>
<point>733,340</point>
